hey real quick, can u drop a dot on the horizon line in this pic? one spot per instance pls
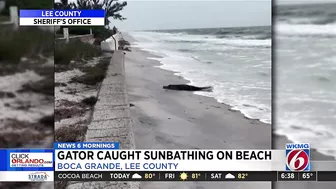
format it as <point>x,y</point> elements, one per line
<point>198,28</point>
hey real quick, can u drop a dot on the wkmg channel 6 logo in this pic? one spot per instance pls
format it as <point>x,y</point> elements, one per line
<point>298,157</point>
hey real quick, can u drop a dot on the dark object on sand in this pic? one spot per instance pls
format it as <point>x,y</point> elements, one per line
<point>184,87</point>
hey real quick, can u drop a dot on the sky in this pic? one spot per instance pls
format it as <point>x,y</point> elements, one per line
<point>302,1</point>
<point>154,15</point>
<point>181,14</point>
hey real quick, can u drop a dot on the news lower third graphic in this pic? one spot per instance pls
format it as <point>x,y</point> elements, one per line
<point>105,161</point>
<point>218,176</point>
<point>298,157</point>
<point>62,17</point>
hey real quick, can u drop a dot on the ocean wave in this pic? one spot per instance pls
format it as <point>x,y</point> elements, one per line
<point>259,36</point>
<point>299,131</point>
<point>245,42</point>
<point>235,42</point>
<point>186,50</point>
<point>322,14</point>
<point>307,10</point>
<point>296,12</point>
<point>203,71</point>
<point>312,21</point>
<point>305,29</point>
<point>266,36</point>
<point>306,113</point>
<point>183,41</point>
<point>261,41</point>
<point>257,32</point>
<point>244,30</point>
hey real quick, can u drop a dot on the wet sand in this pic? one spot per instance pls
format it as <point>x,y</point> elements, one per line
<point>165,119</point>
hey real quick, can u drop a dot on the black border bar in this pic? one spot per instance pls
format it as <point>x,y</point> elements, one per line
<point>297,176</point>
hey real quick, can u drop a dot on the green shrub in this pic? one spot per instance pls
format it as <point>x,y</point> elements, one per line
<point>72,133</point>
<point>26,41</point>
<point>123,42</point>
<point>74,50</point>
<point>102,33</point>
<point>45,86</point>
<point>93,75</point>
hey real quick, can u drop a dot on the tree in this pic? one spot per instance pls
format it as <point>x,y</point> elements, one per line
<point>64,4</point>
<point>85,4</point>
<point>112,9</point>
<point>115,29</point>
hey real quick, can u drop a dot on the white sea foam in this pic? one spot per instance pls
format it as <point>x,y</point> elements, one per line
<point>306,90</point>
<point>305,29</point>
<point>306,75</point>
<point>204,66</point>
<point>167,37</point>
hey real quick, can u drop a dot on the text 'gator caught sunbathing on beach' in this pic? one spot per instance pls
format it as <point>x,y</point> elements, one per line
<point>183,87</point>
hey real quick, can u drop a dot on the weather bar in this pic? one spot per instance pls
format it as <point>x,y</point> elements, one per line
<point>166,176</point>
<point>307,176</point>
<point>263,176</point>
<point>297,176</point>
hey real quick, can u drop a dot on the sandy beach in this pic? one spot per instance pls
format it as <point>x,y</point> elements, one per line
<point>165,119</point>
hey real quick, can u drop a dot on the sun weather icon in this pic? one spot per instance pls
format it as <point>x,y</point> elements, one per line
<point>183,176</point>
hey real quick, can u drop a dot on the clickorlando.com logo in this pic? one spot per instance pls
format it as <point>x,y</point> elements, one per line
<point>24,159</point>
<point>298,157</point>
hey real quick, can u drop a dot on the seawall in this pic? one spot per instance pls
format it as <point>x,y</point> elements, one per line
<point>111,119</point>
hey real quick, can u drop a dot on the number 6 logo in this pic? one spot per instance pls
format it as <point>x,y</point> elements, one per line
<point>297,160</point>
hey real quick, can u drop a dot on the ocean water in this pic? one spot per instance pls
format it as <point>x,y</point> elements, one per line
<point>305,38</point>
<point>235,61</point>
